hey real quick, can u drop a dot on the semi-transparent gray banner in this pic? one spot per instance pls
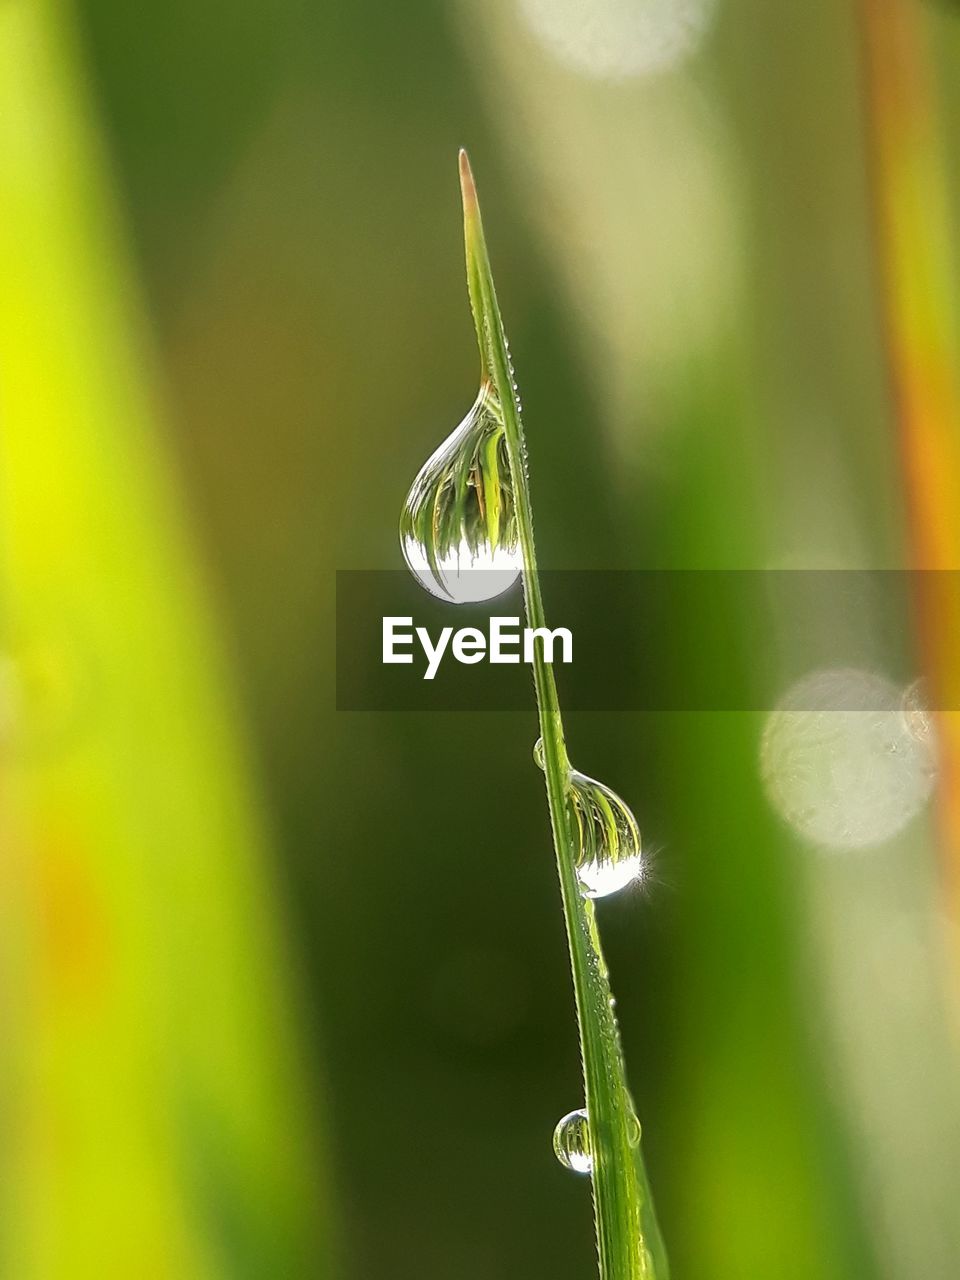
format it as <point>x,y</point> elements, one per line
<point>645,640</point>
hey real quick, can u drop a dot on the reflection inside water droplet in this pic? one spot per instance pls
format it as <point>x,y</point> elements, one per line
<point>458,526</point>
<point>609,851</point>
<point>571,1142</point>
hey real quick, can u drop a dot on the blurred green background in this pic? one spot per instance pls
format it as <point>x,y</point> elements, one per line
<point>276,1003</point>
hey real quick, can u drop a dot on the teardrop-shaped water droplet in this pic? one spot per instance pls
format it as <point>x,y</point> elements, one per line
<point>571,1142</point>
<point>609,855</point>
<point>458,527</point>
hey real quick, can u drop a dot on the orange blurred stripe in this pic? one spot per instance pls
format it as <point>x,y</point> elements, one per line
<point>912,234</point>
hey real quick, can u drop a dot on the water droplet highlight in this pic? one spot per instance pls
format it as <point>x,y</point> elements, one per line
<point>571,1142</point>
<point>609,851</point>
<point>458,526</point>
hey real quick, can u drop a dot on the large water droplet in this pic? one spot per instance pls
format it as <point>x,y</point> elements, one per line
<point>609,851</point>
<point>458,526</point>
<point>571,1142</point>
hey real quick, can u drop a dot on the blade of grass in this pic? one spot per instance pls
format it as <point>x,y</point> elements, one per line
<point>628,1238</point>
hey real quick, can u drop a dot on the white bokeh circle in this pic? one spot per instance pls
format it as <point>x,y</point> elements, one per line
<point>840,763</point>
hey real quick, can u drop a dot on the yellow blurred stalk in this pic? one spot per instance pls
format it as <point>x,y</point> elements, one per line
<point>155,1119</point>
<point>918,282</point>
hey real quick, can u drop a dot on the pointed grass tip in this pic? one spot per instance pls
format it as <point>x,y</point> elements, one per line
<point>467,185</point>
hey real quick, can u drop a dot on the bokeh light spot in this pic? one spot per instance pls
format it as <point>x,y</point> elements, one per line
<point>619,39</point>
<point>840,763</point>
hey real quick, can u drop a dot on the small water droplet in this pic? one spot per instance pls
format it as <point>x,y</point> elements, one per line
<point>458,526</point>
<point>571,1142</point>
<point>633,1131</point>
